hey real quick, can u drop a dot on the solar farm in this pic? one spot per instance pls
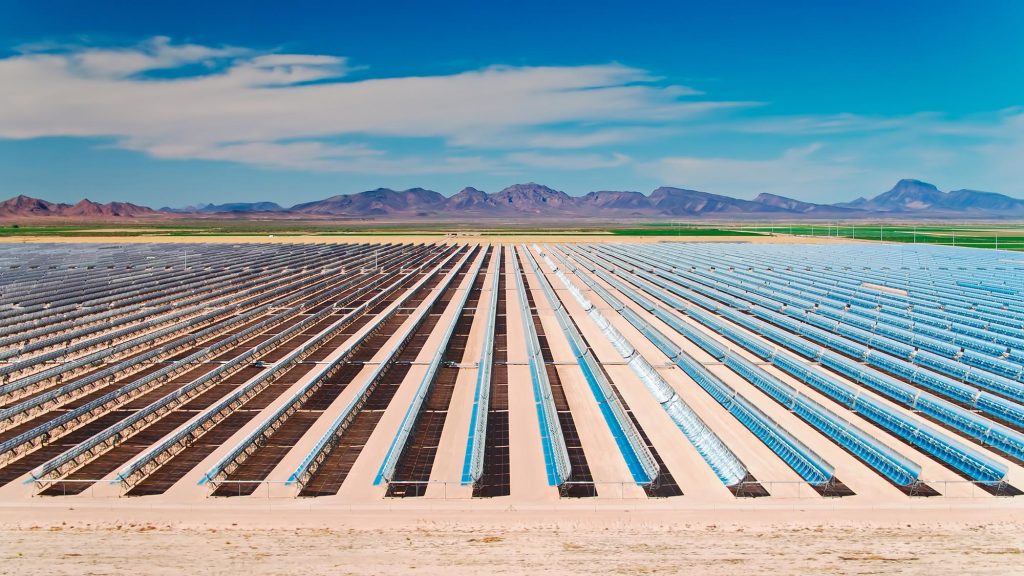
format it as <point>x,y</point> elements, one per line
<point>384,374</point>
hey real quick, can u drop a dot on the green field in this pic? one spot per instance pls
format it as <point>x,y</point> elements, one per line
<point>683,232</point>
<point>1002,237</point>
<point>240,229</point>
<point>320,228</point>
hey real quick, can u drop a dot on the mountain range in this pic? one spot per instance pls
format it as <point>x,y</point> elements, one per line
<point>230,208</point>
<point>908,199</point>
<point>26,207</point>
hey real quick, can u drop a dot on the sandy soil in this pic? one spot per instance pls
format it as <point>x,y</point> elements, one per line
<point>168,542</point>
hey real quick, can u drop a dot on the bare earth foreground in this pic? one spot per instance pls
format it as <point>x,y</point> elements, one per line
<point>121,540</point>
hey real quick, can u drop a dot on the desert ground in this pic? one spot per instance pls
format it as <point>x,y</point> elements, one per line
<point>118,540</point>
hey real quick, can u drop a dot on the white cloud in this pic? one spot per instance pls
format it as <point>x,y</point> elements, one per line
<point>998,124</point>
<point>566,139</point>
<point>308,155</point>
<point>307,112</point>
<point>568,161</point>
<point>155,54</point>
<point>322,157</point>
<point>247,107</point>
<point>860,156</point>
<point>801,172</point>
<point>843,123</point>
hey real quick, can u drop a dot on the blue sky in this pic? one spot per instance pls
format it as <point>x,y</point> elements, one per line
<point>185,102</point>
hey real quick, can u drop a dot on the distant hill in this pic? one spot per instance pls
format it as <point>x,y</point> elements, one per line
<point>242,207</point>
<point>536,199</point>
<point>471,200</point>
<point>634,202</point>
<point>808,208</point>
<point>27,207</point>
<point>908,199</point>
<point>20,206</point>
<point>917,197</point>
<point>228,208</point>
<point>89,209</point>
<point>379,202</point>
<point>683,202</point>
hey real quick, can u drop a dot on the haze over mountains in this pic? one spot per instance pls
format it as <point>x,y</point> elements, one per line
<point>909,199</point>
<point>232,207</point>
